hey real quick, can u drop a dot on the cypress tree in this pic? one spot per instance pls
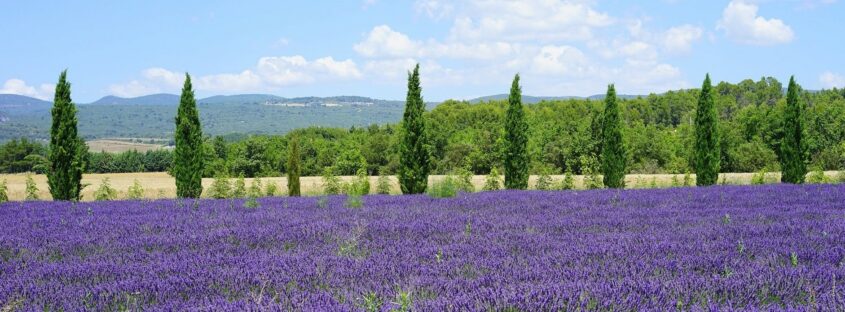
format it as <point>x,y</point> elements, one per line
<point>413,151</point>
<point>613,152</point>
<point>707,152</point>
<point>187,156</point>
<point>516,140</point>
<point>293,168</point>
<point>67,150</point>
<point>792,159</point>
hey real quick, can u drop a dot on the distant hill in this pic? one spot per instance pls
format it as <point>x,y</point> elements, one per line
<point>13,104</point>
<point>528,99</point>
<point>152,99</point>
<point>239,99</point>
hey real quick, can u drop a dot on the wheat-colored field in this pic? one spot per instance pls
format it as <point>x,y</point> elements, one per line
<point>116,146</point>
<point>162,185</point>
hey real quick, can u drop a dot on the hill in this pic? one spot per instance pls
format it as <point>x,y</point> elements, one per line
<point>529,99</point>
<point>152,99</point>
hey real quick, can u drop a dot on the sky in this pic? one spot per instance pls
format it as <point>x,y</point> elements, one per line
<point>465,48</point>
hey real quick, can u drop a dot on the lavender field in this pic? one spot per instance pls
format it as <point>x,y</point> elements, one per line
<point>775,247</point>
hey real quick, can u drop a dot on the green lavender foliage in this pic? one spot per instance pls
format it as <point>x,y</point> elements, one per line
<point>67,149</point>
<point>706,150</point>
<point>613,151</point>
<point>188,154</point>
<point>414,157</point>
<point>294,168</point>
<point>793,155</point>
<point>516,140</point>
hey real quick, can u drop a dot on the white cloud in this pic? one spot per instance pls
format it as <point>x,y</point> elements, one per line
<point>269,73</point>
<point>679,39</point>
<point>435,9</point>
<point>557,60</point>
<point>534,20</point>
<point>383,41</point>
<point>17,86</point>
<point>831,80</point>
<point>742,24</point>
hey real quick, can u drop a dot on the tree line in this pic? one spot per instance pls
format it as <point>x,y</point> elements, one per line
<point>744,127</point>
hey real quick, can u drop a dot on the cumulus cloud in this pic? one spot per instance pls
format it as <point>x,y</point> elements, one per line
<point>679,39</point>
<point>831,80</point>
<point>383,41</point>
<point>742,24</point>
<point>435,9</point>
<point>268,74</point>
<point>17,86</point>
<point>533,20</point>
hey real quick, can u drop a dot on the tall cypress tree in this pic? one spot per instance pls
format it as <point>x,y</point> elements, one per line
<point>67,149</point>
<point>187,157</point>
<point>792,158</point>
<point>413,150</point>
<point>516,140</point>
<point>293,168</point>
<point>612,150</point>
<point>707,152</point>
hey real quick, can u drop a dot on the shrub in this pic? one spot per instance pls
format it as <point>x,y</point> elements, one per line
<point>361,184</point>
<point>493,181</point>
<point>4,192</point>
<point>687,178</point>
<point>255,188</point>
<point>448,187</point>
<point>271,189</point>
<point>759,177</point>
<point>544,180</point>
<point>239,191</point>
<point>464,180</point>
<point>331,183</point>
<point>817,177</point>
<point>653,183</point>
<point>136,191</point>
<point>675,182</point>
<point>31,188</point>
<point>105,191</point>
<point>383,185</point>
<point>220,188</point>
<point>589,168</point>
<point>568,181</point>
<point>840,177</point>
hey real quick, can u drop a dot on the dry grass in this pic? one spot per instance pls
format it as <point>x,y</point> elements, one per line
<point>115,146</point>
<point>162,185</point>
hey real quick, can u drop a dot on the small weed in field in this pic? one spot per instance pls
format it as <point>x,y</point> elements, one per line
<point>404,301</point>
<point>726,219</point>
<point>468,229</point>
<point>354,201</point>
<point>372,302</point>
<point>322,202</point>
<point>740,247</point>
<point>251,202</point>
<point>793,259</point>
<point>4,196</point>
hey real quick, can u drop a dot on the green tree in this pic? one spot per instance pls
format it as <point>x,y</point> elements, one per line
<point>413,150</point>
<point>67,150</point>
<point>293,168</point>
<point>707,151</point>
<point>188,154</point>
<point>492,182</point>
<point>792,150</point>
<point>220,188</point>
<point>516,140</point>
<point>613,151</point>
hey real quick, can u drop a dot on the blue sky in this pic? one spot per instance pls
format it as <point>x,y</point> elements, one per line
<point>466,48</point>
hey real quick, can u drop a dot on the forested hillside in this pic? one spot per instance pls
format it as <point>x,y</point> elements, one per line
<point>564,134</point>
